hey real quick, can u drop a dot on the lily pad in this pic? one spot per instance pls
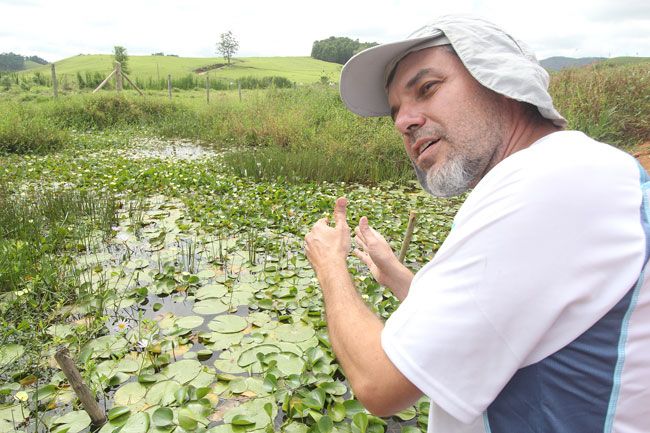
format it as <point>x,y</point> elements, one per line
<point>210,306</point>
<point>294,333</point>
<point>130,394</point>
<point>189,322</point>
<point>71,422</point>
<point>215,290</point>
<point>252,411</point>
<point>183,371</point>
<point>227,363</point>
<point>10,353</point>
<point>162,393</point>
<point>219,341</point>
<point>137,423</point>
<point>250,356</point>
<point>228,324</point>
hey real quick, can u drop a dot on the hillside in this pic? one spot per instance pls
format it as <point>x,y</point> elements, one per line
<point>558,63</point>
<point>554,64</point>
<point>298,69</point>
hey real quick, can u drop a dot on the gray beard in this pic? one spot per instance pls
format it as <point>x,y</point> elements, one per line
<point>453,178</point>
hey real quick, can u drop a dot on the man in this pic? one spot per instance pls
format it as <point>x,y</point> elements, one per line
<point>534,315</point>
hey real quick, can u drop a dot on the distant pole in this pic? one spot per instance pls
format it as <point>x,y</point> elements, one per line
<point>158,71</point>
<point>239,88</point>
<point>169,85</point>
<point>207,87</point>
<point>118,76</point>
<point>55,83</point>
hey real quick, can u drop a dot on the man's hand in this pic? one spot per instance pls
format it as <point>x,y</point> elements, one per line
<point>377,254</point>
<point>327,248</point>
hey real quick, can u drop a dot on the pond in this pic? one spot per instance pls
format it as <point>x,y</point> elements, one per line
<point>206,313</point>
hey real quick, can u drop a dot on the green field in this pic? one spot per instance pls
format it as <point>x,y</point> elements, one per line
<point>298,69</point>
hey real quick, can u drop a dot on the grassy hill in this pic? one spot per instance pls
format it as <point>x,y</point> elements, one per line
<point>298,69</point>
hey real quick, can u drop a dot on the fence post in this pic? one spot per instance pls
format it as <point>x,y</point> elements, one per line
<point>97,415</point>
<point>169,85</point>
<point>118,76</point>
<point>207,87</point>
<point>408,236</point>
<point>239,88</point>
<point>55,83</point>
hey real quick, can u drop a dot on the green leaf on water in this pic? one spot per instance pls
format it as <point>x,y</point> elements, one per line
<point>71,422</point>
<point>130,394</point>
<point>294,333</point>
<point>137,423</point>
<point>209,306</point>
<point>242,420</point>
<point>163,417</point>
<point>228,324</point>
<point>183,371</point>
<point>10,353</point>
<point>337,412</point>
<point>406,414</point>
<point>360,420</point>
<point>315,399</point>
<point>117,412</point>
<point>325,424</point>
<point>189,322</point>
<point>162,393</point>
<point>250,356</point>
<point>410,429</point>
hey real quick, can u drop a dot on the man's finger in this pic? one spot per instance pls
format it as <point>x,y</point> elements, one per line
<point>364,227</point>
<point>363,256</point>
<point>340,217</point>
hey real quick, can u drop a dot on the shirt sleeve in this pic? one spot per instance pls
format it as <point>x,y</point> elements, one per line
<point>536,257</point>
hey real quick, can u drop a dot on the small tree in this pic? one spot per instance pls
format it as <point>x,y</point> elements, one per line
<point>227,45</point>
<point>119,53</point>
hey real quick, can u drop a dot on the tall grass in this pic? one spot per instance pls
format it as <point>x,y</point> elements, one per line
<point>39,236</point>
<point>609,102</point>
<point>306,133</point>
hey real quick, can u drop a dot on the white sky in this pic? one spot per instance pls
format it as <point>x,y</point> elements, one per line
<point>58,29</point>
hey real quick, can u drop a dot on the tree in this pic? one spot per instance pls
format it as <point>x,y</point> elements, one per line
<point>11,62</point>
<point>338,49</point>
<point>227,45</point>
<point>120,55</point>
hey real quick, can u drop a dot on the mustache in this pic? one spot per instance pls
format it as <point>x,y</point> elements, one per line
<point>429,131</point>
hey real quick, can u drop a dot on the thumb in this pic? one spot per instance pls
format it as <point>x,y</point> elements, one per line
<point>340,217</point>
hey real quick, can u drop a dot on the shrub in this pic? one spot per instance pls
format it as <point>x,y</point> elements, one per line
<point>23,131</point>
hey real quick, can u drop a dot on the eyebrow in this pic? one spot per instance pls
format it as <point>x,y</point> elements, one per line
<point>412,82</point>
<point>417,77</point>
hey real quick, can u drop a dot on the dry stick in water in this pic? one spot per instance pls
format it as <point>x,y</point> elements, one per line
<point>408,236</point>
<point>89,403</point>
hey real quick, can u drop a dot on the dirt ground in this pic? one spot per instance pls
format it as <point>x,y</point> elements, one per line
<point>642,154</point>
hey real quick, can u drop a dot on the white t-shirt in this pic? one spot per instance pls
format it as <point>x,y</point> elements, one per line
<point>529,318</point>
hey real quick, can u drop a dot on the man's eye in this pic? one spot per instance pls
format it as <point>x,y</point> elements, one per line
<point>428,86</point>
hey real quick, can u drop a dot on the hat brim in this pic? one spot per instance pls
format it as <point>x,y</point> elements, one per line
<point>362,78</point>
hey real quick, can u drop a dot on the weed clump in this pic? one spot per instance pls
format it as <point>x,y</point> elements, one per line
<point>23,131</point>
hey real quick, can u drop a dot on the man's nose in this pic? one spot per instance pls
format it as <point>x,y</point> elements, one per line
<point>408,121</point>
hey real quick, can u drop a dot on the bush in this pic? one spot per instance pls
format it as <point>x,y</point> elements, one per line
<point>23,131</point>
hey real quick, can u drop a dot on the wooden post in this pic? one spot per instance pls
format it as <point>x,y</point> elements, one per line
<point>169,85</point>
<point>89,403</point>
<point>239,88</point>
<point>55,83</point>
<point>207,87</point>
<point>118,76</point>
<point>126,77</point>
<point>157,71</point>
<point>105,81</point>
<point>408,236</point>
